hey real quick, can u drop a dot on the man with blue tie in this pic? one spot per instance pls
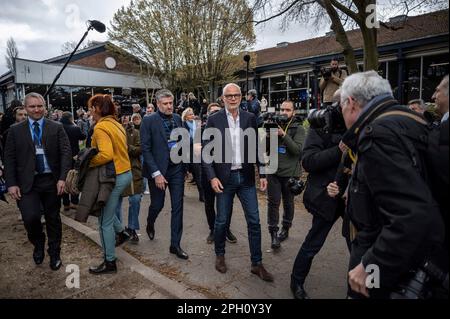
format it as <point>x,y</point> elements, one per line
<point>37,159</point>
<point>161,171</point>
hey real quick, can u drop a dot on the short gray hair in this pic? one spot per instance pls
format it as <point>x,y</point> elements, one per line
<point>35,95</point>
<point>444,83</point>
<point>163,93</point>
<point>420,102</point>
<point>231,84</point>
<point>364,86</point>
<point>252,93</point>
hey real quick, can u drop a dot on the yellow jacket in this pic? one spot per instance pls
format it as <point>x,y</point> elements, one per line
<point>110,140</point>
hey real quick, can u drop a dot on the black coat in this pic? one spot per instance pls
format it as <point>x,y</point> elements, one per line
<point>391,205</point>
<point>75,135</point>
<point>222,170</point>
<point>20,154</point>
<point>321,158</point>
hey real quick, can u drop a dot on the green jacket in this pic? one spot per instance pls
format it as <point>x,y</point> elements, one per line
<point>289,162</point>
<point>134,152</point>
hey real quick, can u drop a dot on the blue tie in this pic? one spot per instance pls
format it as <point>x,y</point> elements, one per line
<point>40,167</point>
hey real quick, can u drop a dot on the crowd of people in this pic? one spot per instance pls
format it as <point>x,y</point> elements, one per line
<point>384,172</point>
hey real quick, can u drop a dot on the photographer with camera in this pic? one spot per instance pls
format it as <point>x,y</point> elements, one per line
<point>321,159</point>
<point>290,138</point>
<point>331,80</point>
<point>390,203</point>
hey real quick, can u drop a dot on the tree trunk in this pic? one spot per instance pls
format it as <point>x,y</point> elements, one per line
<point>370,49</point>
<point>341,36</point>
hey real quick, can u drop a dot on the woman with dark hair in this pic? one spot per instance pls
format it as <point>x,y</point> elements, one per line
<point>110,139</point>
<point>75,136</point>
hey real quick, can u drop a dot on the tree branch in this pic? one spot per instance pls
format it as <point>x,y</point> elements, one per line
<point>345,10</point>
<point>283,11</point>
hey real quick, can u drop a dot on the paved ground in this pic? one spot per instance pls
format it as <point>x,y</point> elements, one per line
<point>327,278</point>
<point>158,274</point>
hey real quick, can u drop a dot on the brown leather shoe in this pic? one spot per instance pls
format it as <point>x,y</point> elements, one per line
<point>262,273</point>
<point>220,264</point>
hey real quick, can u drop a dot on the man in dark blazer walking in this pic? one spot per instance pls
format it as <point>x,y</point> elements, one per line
<point>235,175</point>
<point>37,159</point>
<point>161,171</point>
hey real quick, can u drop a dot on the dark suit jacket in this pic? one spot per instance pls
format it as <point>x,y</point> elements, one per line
<point>154,144</point>
<point>222,170</point>
<point>20,154</point>
<point>75,135</point>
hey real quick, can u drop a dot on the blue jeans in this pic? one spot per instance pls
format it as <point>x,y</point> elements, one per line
<point>109,224</point>
<point>249,201</point>
<point>134,206</point>
<point>175,178</point>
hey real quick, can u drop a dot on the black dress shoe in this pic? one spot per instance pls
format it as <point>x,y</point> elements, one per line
<point>122,237</point>
<point>179,252</point>
<point>151,231</point>
<point>284,234</point>
<point>106,267</point>
<point>298,291</point>
<point>38,255</point>
<point>230,237</point>
<point>55,262</point>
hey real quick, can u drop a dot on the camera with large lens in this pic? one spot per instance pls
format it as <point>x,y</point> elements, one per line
<point>326,73</point>
<point>420,282</point>
<point>272,120</point>
<point>330,119</point>
<point>296,185</point>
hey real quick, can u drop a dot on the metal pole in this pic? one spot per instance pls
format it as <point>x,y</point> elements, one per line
<point>67,62</point>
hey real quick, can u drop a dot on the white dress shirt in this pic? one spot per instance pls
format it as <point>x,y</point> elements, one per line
<point>235,133</point>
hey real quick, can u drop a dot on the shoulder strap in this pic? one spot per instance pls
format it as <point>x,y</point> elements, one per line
<point>416,118</point>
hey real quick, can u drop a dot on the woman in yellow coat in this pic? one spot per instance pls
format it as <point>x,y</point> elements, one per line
<point>110,139</point>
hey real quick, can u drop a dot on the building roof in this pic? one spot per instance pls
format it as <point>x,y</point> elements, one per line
<point>417,27</point>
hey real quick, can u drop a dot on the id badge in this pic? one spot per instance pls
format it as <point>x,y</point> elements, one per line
<point>39,151</point>
<point>171,144</point>
<point>282,149</point>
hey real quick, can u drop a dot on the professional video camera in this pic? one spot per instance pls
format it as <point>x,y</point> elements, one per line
<point>330,119</point>
<point>274,120</point>
<point>126,104</point>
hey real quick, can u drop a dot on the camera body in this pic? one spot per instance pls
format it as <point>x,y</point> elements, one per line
<point>270,120</point>
<point>326,72</point>
<point>329,119</point>
<point>418,286</point>
<point>296,186</point>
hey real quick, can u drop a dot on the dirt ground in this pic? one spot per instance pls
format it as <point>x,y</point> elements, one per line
<point>21,278</point>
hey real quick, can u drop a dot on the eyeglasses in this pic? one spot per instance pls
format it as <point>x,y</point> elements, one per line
<point>232,96</point>
<point>287,110</point>
<point>35,106</point>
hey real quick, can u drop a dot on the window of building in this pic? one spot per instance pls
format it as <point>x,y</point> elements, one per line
<point>435,67</point>
<point>411,83</point>
<point>278,83</point>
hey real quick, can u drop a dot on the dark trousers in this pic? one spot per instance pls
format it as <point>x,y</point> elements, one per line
<point>277,189</point>
<point>311,246</point>
<point>196,170</point>
<point>247,196</point>
<point>43,194</point>
<point>175,178</point>
<point>210,199</point>
<point>68,199</point>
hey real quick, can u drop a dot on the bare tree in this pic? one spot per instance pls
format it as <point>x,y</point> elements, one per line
<point>11,53</point>
<point>192,44</point>
<point>69,46</point>
<point>343,15</point>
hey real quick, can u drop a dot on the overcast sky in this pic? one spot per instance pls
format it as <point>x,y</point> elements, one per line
<point>40,27</point>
